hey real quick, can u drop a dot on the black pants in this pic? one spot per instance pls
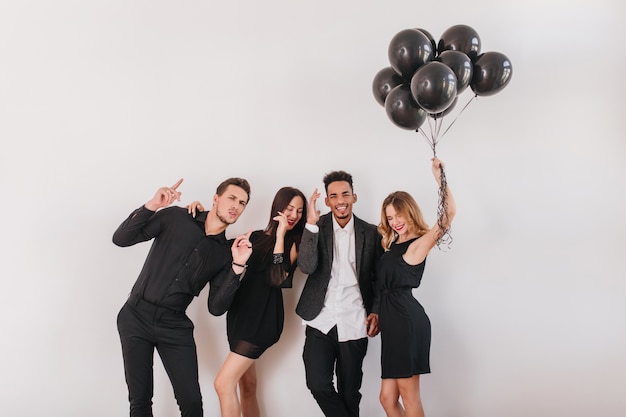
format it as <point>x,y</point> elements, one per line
<point>144,327</point>
<point>323,355</point>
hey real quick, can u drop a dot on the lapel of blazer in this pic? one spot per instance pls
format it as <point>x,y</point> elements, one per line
<point>326,226</point>
<point>359,243</point>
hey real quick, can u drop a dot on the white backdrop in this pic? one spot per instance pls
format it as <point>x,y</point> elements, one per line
<point>102,102</point>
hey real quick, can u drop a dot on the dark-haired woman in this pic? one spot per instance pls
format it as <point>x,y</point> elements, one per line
<point>255,318</point>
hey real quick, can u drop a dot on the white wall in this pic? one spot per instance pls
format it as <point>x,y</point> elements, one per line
<point>102,102</point>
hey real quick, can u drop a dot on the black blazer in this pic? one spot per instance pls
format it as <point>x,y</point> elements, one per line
<point>315,258</point>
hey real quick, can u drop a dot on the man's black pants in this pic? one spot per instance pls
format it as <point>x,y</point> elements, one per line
<point>144,327</point>
<point>323,354</point>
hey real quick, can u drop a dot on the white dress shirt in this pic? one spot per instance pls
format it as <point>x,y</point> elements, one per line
<point>343,305</point>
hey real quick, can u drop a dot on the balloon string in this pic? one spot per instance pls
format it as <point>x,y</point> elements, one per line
<point>428,140</point>
<point>442,213</point>
<point>433,130</point>
<point>457,116</point>
<point>438,124</point>
<point>430,128</point>
<point>442,207</point>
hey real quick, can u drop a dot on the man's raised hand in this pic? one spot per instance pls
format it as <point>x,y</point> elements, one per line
<point>164,196</point>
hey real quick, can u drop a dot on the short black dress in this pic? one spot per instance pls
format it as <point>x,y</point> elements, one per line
<point>404,325</point>
<point>254,321</point>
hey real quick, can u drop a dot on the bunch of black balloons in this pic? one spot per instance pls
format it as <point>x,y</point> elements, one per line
<point>425,78</point>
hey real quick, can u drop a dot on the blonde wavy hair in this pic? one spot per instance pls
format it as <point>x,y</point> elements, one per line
<point>405,205</point>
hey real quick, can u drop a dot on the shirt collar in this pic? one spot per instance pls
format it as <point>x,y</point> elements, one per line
<point>201,218</point>
<point>348,228</point>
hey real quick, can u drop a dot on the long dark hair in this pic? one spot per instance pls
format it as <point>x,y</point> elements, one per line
<point>281,200</point>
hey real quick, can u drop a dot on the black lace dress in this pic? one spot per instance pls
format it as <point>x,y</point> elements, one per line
<point>404,325</point>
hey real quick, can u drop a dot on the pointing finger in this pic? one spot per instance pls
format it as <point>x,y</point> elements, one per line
<point>175,186</point>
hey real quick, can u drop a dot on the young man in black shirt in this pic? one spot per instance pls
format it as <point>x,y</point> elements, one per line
<point>186,254</point>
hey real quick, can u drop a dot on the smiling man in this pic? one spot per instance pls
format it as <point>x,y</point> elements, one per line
<point>339,252</point>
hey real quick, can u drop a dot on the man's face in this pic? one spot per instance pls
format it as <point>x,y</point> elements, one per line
<point>339,198</point>
<point>229,206</point>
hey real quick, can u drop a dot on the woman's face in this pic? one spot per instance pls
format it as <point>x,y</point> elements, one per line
<point>293,211</point>
<point>396,220</point>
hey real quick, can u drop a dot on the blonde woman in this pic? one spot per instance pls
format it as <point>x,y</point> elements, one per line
<point>404,325</point>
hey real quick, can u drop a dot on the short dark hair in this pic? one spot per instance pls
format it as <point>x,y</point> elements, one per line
<point>337,176</point>
<point>239,182</point>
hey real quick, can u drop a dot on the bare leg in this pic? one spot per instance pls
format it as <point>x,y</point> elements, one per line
<point>226,383</point>
<point>247,393</point>
<point>389,398</point>
<point>410,393</point>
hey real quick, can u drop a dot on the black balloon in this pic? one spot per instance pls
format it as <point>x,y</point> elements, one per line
<point>432,40</point>
<point>446,111</point>
<point>384,81</point>
<point>408,50</point>
<point>492,72</point>
<point>434,87</point>
<point>460,38</point>
<point>461,65</point>
<point>402,109</point>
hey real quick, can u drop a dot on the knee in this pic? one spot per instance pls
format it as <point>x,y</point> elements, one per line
<point>319,388</point>
<point>222,386</point>
<point>247,387</point>
<point>190,402</point>
<point>388,400</point>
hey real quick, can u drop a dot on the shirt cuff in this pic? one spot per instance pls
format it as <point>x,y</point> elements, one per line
<point>144,210</point>
<point>313,228</point>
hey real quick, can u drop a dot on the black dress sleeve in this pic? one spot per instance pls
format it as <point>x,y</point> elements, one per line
<point>281,274</point>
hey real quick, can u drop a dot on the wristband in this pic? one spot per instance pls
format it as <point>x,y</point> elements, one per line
<point>277,258</point>
<point>240,265</point>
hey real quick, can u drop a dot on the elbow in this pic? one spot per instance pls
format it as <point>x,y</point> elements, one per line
<point>216,310</point>
<point>447,224</point>
<point>306,268</point>
<point>451,214</point>
<point>118,241</point>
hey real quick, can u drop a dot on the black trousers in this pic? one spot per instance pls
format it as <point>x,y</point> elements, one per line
<point>144,327</point>
<point>323,355</point>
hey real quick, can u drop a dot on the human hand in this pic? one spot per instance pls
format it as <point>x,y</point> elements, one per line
<point>194,208</point>
<point>372,324</point>
<point>164,197</point>
<point>313,214</point>
<point>282,224</point>
<point>437,167</point>
<point>241,248</point>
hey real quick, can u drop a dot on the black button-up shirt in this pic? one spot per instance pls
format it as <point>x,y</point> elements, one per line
<point>182,259</point>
